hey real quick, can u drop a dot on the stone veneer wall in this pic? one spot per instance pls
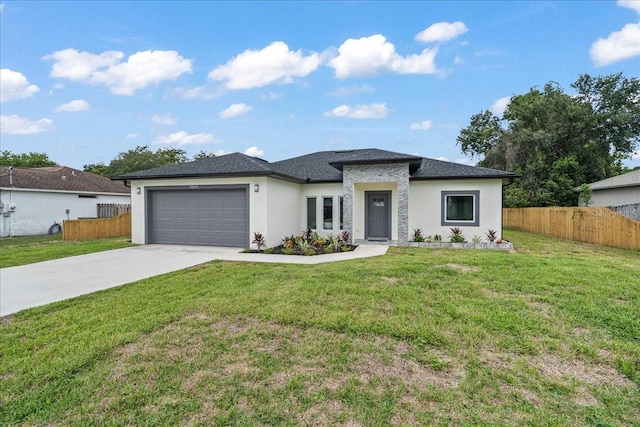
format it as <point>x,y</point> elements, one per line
<point>384,172</point>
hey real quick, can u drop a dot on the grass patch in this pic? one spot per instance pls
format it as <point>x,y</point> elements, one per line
<point>29,249</point>
<point>546,335</point>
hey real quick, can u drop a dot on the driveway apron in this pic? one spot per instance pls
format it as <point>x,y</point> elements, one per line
<point>42,283</point>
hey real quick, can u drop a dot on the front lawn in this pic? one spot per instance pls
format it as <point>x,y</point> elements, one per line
<point>29,249</point>
<point>549,335</point>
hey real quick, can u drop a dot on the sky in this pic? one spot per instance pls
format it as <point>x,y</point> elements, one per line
<point>84,81</point>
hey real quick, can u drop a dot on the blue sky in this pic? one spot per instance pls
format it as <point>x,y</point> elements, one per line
<point>83,81</point>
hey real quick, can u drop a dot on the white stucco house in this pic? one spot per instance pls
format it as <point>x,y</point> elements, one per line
<point>373,194</point>
<point>32,199</point>
<point>616,191</point>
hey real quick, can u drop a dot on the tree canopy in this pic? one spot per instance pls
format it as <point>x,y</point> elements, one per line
<point>557,142</point>
<point>25,160</point>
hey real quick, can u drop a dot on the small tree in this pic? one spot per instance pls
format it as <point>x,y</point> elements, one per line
<point>586,194</point>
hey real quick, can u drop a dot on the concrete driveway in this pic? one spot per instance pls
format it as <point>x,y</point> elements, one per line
<point>37,284</point>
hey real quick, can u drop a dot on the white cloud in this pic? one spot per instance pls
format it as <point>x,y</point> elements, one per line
<point>17,125</point>
<point>373,54</point>
<point>442,32</point>
<point>122,78</point>
<point>499,105</point>
<point>635,155</point>
<point>618,46</point>
<point>271,96</point>
<point>345,92</point>
<point>370,111</point>
<point>163,119</point>
<point>458,60</point>
<point>1,7</point>
<point>257,68</point>
<point>14,85</point>
<point>183,138</point>
<point>72,106</point>
<point>235,110</point>
<point>631,4</point>
<point>131,136</point>
<point>423,125</point>
<point>254,151</point>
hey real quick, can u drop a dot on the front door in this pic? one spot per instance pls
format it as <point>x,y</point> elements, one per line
<point>378,215</point>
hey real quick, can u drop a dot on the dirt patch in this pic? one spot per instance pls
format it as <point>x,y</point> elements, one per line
<point>462,268</point>
<point>583,397</point>
<point>390,280</point>
<point>593,374</point>
<point>7,320</point>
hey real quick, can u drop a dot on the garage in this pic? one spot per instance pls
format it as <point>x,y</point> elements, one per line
<point>217,216</point>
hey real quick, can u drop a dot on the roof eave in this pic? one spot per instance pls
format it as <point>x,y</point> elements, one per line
<point>413,162</point>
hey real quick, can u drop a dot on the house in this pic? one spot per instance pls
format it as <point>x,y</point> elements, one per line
<point>33,199</point>
<point>616,191</point>
<point>373,194</point>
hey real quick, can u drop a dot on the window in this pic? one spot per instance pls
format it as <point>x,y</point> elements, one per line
<point>327,213</point>
<point>87,196</point>
<point>341,213</point>
<point>311,212</point>
<point>460,208</point>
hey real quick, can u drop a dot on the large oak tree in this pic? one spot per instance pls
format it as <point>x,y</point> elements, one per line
<point>556,141</point>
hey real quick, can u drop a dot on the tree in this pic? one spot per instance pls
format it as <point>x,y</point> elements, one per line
<point>203,155</point>
<point>137,159</point>
<point>586,194</point>
<point>25,160</point>
<point>555,141</point>
<point>96,168</point>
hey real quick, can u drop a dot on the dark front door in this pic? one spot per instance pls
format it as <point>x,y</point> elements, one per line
<point>378,215</point>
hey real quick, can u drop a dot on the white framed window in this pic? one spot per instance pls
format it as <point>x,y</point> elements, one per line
<point>311,212</point>
<point>460,208</point>
<point>327,213</point>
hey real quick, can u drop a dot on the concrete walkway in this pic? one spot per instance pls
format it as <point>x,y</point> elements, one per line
<point>41,283</point>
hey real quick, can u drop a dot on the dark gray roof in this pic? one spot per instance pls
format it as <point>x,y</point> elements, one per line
<point>323,166</point>
<point>227,165</point>
<point>438,169</point>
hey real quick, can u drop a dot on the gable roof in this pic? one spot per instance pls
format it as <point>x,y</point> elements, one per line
<point>59,178</point>
<point>629,179</point>
<point>323,166</point>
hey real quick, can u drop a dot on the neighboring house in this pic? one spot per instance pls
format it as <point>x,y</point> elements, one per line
<point>32,199</point>
<point>615,191</point>
<point>372,194</point>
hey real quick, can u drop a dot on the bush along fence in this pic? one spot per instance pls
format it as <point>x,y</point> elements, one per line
<point>101,228</point>
<point>601,226</point>
<point>109,210</point>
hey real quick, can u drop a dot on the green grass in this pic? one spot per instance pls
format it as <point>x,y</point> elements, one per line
<point>549,335</point>
<point>29,249</point>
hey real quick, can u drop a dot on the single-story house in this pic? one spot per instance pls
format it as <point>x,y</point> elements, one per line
<point>615,191</point>
<point>373,194</point>
<point>33,199</point>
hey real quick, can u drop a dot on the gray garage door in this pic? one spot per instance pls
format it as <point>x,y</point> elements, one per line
<point>213,217</point>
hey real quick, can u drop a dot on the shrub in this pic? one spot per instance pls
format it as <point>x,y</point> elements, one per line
<point>345,237</point>
<point>259,240</point>
<point>456,235</point>
<point>476,239</point>
<point>417,235</point>
<point>491,235</point>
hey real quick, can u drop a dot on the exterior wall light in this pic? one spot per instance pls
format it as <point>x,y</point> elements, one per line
<point>256,187</point>
<point>137,190</point>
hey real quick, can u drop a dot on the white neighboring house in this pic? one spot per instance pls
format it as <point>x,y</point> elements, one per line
<point>372,194</point>
<point>33,199</point>
<point>615,191</point>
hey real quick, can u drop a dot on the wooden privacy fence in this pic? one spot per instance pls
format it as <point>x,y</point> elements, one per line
<point>101,228</point>
<point>108,210</point>
<point>601,226</point>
